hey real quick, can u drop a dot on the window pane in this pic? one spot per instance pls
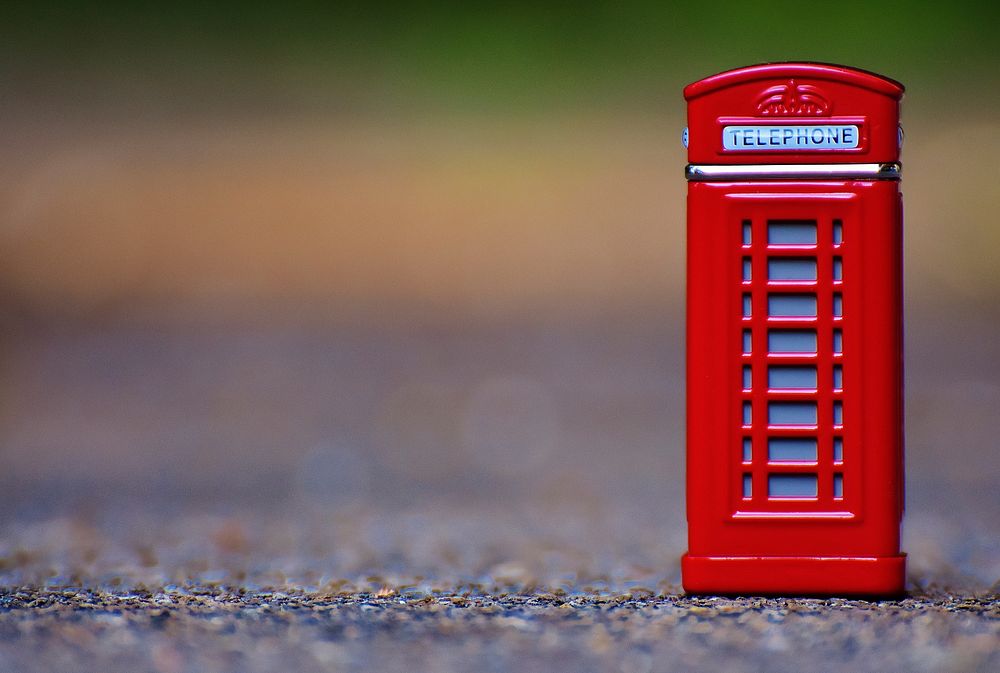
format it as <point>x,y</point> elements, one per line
<point>838,486</point>
<point>791,341</point>
<point>791,485</point>
<point>791,268</point>
<point>838,449</point>
<point>747,486</point>
<point>747,273</point>
<point>791,377</point>
<point>747,449</point>
<point>746,232</point>
<point>791,305</point>
<point>791,413</point>
<point>791,233</point>
<point>792,448</point>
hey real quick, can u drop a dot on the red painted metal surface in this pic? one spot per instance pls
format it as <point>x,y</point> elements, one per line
<point>776,93</point>
<point>794,349</point>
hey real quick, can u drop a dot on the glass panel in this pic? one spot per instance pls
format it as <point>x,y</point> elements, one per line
<point>747,377</point>
<point>838,377</point>
<point>791,233</point>
<point>746,306</point>
<point>838,269</point>
<point>747,275</point>
<point>746,232</point>
<point>791,413</point>
<point>791,268</point>
<point>747,341</point>
<point>838,413</point>
<point>838,341</point>
<point>838,305</point>
<point>747,486</point>
<point>838,486</point>
<point>747,449</point>
<point>791,485</point>
<point>791,341</point>
<point>791,377</point>
<point>838,449</point>
<point>747,413</point>
<point>791,305</point>
<point>792,448</point>
<point>838,232</point>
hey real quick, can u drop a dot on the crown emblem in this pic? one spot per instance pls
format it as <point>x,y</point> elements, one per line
<point>792,99</point>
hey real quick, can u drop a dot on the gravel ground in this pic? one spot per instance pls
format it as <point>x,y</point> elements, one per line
<point>444,588</point>
<point>213,628</point>
<point>501,500</point>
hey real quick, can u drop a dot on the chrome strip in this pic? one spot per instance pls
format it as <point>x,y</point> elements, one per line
<point>703,173</point>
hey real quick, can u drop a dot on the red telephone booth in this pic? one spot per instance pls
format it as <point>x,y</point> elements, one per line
<point>794,332</point>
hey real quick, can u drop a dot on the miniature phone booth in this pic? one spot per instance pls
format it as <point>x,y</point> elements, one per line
<point>794,333</point>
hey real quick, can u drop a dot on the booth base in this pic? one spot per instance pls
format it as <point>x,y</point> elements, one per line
<point>794,575</point>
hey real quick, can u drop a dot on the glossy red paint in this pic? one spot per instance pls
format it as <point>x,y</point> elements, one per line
<point>776,93</point>
<point>794,346</point>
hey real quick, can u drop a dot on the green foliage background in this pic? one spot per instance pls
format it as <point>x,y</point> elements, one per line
<point>473,56</point>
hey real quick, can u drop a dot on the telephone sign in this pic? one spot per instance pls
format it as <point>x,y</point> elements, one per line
<point>799,137</point>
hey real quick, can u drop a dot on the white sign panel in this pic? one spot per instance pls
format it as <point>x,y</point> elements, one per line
<point>798,137</point>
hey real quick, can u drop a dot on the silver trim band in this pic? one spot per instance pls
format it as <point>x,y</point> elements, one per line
<point>705,173</point>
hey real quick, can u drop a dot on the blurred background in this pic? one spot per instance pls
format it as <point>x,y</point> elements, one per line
<point>382,268</point>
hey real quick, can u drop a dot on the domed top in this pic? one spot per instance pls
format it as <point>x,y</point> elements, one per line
<point>822,71</point>
<point>786,113</point>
